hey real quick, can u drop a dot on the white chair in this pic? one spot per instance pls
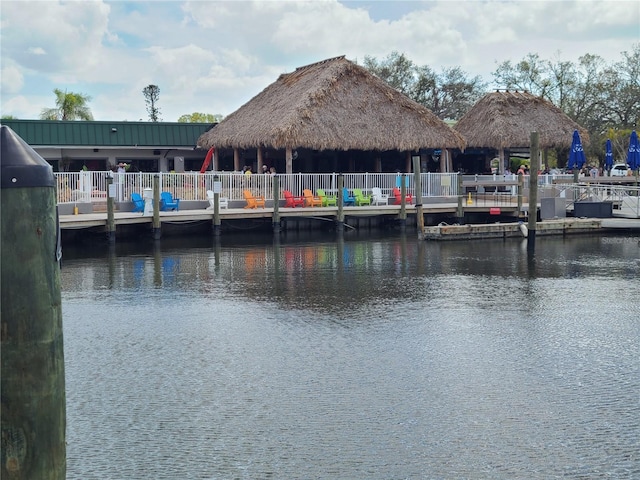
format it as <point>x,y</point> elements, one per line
<point>378,198</point>
<point>223,202</point>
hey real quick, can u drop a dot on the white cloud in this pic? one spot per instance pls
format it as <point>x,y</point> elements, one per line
<point>12,79</point>
<point>36,51</point>
<point>23,107</point>
<point>214,56</point>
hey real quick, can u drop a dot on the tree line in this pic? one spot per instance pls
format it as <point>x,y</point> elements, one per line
<point>603,98</point>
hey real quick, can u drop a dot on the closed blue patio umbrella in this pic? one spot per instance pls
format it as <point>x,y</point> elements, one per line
<point>633,154</point>
<point>608,156</point>
<point>576,155</point>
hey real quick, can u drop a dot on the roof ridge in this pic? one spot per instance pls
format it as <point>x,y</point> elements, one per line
<point>304,67</point>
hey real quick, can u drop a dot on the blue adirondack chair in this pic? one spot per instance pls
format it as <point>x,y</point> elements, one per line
<point>138,202</point>
<point>346,198</point>
<point>167,202</point>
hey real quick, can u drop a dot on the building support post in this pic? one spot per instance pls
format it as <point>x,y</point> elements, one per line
<point>236,160</point>
<point>289,161</point>
<point>260,159</point>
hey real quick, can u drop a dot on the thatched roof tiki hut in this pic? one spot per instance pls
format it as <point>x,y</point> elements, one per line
<point>504,120</point>
<point>330,116</point>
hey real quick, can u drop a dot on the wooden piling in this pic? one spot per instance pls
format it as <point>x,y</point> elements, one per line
<point>216,206</point>
<point>33,420</point>
<point>418,194</point>
<point>157,228</point>
<point>111,224</point>
<point>403,203</point>
<point>533,190</point>
<point>340,218</point>
<point>460,209</point>
<point>276,204</point>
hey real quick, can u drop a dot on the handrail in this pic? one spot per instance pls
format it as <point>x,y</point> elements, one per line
<point>625,197</point>
<point>91,186</point>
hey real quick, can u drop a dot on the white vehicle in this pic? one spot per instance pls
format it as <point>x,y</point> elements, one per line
<point>619,170</point>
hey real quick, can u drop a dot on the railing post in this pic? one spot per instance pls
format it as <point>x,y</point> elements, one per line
<point>520,184</point>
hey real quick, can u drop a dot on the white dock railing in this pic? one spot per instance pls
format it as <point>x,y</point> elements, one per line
<point>625,198</point>
<point>92,186</point>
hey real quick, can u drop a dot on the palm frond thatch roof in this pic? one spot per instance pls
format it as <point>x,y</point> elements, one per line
<point>332,105</point>
<point>506,119</point>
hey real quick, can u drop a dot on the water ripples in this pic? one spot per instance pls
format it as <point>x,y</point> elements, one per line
<point>216,368</point>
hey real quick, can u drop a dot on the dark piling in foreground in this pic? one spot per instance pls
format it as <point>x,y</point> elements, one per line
<point>33,388</point>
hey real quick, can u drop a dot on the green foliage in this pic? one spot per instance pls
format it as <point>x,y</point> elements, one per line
<point>69,106</point>
<point>151,96</point>
<point>198,117</point>
<point>602,98</point>
<point>448,94</point>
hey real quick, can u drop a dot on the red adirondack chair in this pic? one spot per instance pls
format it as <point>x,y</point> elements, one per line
<point>398,196</point>
<point>291,200</point>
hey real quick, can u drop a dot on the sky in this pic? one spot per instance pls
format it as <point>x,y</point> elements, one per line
<point>214,56</point>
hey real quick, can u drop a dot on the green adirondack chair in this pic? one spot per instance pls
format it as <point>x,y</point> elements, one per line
<point>327,201</point>
<point>361,198</point>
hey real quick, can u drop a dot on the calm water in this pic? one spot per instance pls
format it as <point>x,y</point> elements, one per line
<point>371,358</point>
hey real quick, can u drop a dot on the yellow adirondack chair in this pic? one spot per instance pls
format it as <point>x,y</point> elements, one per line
<point>253,202</point>
<point>310,200</point>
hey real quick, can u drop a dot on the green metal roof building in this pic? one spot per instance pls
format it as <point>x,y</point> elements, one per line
<point>99,145</point>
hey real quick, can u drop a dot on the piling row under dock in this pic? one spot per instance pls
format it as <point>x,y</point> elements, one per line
<point>441,220</point>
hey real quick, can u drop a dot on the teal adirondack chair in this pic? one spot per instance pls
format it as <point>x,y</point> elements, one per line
<point>167,202</point>
<point>138,202</point>
<point>346,198</point>
<point>327,201</point>
<point>361,198</point>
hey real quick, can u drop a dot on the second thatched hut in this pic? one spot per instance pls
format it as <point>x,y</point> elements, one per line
<point>328,116</point>
<point>500,125</point>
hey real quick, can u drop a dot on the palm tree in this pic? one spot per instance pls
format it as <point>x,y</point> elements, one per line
<point>69,106</point>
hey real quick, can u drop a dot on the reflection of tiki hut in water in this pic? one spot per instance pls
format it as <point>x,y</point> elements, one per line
<point>503,121</point>
<point>336,116</point>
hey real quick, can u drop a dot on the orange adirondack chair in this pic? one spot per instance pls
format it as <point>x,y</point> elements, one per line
<point>310,200</point>
<point>252,202</point>
<point>398,196</point>
<point>291,200</point>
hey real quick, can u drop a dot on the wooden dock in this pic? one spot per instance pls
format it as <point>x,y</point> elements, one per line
<point>505,216</point>
<point>99,219</point>
<point>563,226</point>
